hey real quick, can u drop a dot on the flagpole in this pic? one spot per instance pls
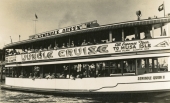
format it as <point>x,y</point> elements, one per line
<point>35,24</point>
<point>164,8</point>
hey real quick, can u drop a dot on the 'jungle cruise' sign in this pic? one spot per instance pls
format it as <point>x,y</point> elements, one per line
<point>90,50</point>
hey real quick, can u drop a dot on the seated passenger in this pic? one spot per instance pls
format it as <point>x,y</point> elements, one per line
<point>89,43</point>
<point>45,49</point>
<point>14,51</point>
<point>72,77</point>
<point>21,76</point>
<point>94,42</point>
<point>113,40</point>
<point>84,42</point>
<point>18,53</point>
<point>126,39</point>
<point>40,49</point>
<point>62,75</point>
<point>56,47</point>
<point>63,46</point>
<point>29,50</point>
<point>68,45</point>
<point>53,76</point>
<point>72,44</point>
<point>30,76</point>
<point>48,76</point>
<point>49,47</point>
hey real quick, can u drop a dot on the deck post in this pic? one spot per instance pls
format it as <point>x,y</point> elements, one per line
<point>123,38</point>
<point>147,64</point>
<point>110,36</point>
<point>55,69</point>
<point>153,31</point>
<point>152,64</point>
<point>136,33</point>
<point>122,66</point>
<point>136,67</point>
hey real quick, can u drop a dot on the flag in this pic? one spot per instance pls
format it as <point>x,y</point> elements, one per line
<point>161,7</point>
<point>36,16</point>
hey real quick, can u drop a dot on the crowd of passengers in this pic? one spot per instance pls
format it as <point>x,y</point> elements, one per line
<point>68,45</point>
<point>76,71</point>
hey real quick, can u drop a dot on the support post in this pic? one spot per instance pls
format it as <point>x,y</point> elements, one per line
<point>136,33</point>
<point>153,31</point>
<point>136,67</point>
<point>123,38</point>
<point>110,36</point>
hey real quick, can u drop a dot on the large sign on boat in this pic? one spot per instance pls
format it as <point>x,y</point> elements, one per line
<point>92,50</point>
<point>63,30</point>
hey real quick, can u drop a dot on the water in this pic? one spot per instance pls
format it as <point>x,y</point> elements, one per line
<point>7,96</point>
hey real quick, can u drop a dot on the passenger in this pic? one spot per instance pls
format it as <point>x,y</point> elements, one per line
<point>65,71</point>
<point>41,76</point>
<point>26,51</point>
<point>53,76</point>
<point>48,76</point>
<point>18,53</point>
<point>56,47</point>
<point>89,43</point>
<point>147,34</point>
<point>14,51</point>
<point>21,76</point>
<point>72,77</point>
<point>72,44</point>
<point>62,75</point>
<point>49,47</point>
<point>29,50</point>
<point>94,42</point>
<point>113,40</point>
<point>68,45</point>
<point>40,49</point>
<point>107,41</point>
<point>74,71</point>
<point>30,75</point>
<point>84,42</point>
<point>63,46</point>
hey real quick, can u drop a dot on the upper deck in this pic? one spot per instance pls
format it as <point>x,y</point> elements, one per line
<point>81,29</point>
<point>111,41</point>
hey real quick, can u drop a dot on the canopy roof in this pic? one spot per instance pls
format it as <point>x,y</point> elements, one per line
<point>99,28</point>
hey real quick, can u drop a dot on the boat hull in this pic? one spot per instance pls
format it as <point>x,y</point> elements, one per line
<point>155,82</point>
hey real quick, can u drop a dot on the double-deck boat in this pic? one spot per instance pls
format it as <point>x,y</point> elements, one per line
<point>123,57</point>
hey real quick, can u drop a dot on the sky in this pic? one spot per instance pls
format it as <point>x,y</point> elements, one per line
<point>16,16</point>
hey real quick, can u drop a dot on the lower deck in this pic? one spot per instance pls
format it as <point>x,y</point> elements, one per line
<point>141,83</point>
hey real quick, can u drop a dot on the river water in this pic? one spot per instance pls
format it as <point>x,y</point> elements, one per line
<point>7,96</point>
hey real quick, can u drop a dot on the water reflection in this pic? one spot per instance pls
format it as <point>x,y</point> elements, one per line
<point>7,96</point>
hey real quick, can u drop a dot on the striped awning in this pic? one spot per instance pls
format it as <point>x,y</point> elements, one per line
<point>99,28</point>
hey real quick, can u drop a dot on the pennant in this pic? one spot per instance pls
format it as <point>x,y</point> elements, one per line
<point>162,44</point>
<point>161,7</point>
<point>36,16</point>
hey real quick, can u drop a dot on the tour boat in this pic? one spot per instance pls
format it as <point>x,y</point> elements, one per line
<point>124,57</point>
